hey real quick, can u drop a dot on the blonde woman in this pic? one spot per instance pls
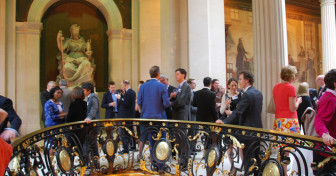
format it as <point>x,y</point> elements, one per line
<point>286,104</point>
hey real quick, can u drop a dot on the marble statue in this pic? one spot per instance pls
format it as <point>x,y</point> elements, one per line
<point>76,63</point>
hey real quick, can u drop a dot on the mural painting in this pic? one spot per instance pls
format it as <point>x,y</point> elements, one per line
<point>239,37</point>
<point>303,33</point>
<point>304,46</point>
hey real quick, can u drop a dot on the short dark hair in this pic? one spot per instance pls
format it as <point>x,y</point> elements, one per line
<point>248,76</point>
<point>53,90</point>
<point>189,81</point>
<point>111,83</point>
<point>182,71</point>
<point>214,80</point>
<point>77,94</point>
<point>141,82</point>
<point>126,82</point>
<point>88,86</point>
<point>330,79</point>
<point>207,81</point>
<point>154,71</point>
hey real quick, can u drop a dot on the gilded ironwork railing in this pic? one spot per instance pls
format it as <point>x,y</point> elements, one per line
<point>166,147</point>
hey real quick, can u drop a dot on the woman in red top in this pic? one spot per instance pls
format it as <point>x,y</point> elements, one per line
<point>286,103</point>
<point>6,150</point>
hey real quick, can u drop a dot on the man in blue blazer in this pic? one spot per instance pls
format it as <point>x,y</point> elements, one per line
<point>153,97</point>
<point>152,100</point>
<point>110,102</point>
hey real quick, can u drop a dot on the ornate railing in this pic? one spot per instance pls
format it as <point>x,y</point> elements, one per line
<point>169,147</point>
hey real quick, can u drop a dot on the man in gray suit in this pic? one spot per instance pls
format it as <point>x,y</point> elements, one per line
<point>66,97</point>
<point>181,99</point>
<point>93,111</point>
<point>193,109</point>
<point>181,111</point>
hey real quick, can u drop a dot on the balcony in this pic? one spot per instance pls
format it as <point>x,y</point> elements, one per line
<point>111,147</point>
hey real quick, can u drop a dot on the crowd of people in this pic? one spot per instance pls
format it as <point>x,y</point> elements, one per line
<point>238,104</point>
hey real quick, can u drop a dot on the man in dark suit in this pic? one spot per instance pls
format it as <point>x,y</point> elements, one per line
<point>247,113</point>
<point>312,94</point>
<point>7,134</point>
<point>321,84</point>
<point>110,102</point>
<point>205,101</point>
<point>127,101</point>
<point>45,96</point>
<point>164,79</point>
<point>193,109</point>
<point>126,110</point>
<point>181,99</point>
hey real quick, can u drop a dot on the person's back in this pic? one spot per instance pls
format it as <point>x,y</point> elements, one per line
<point>151,101</point>
<point>281,94</point>
<point>254,109</point>
<point>93,109</point>
<point>66,98</point>
<point>205,101</point>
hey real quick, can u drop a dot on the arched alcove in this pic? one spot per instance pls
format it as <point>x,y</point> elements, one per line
<point>60,16</point>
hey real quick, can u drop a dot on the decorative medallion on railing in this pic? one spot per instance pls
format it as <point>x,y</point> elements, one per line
<point>161,147</point>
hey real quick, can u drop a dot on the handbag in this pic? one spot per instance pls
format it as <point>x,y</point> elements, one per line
<point>308,119</point>
<point>271,106</point>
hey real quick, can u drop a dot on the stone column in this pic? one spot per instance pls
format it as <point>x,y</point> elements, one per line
<point>27,75</point>
<point>120,48</point>
<point>135,45</point>
<point>170,38</point>
<point>206,40</point>
<point>270,48</point>
<point>3,48</point>
<point>328,35</point>
<point>149,36</point>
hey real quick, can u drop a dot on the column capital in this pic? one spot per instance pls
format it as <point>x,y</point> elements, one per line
<point>119,33</point>
<point>327,2</point>
<point>28,27</point>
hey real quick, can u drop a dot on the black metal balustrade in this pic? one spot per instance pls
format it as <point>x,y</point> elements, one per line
<point>178,148</point>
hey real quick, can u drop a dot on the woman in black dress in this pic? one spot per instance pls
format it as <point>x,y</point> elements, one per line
<point>231,98</point>
<point>306,102</point>
<point>78,108</point>
<point>229,103</point>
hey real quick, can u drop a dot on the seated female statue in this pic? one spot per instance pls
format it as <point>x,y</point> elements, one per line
<point>76,62</point>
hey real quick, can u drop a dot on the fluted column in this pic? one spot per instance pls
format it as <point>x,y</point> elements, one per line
<point>270,48</point>
<point>120,57</point>
<point>328,35</point>
<point>206,30</point>
<point>28,75</point>
<point>2,48</point>
<point>170,37</point>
